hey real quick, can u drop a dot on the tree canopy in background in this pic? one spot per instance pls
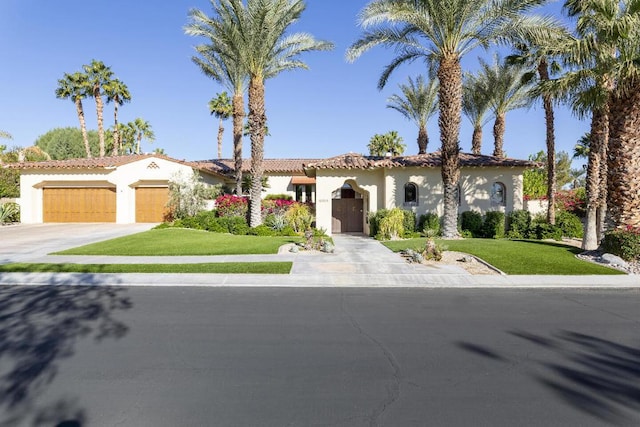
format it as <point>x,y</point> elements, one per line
<point>535,180</point>
<point>67,143</point>
<point>390,142</point>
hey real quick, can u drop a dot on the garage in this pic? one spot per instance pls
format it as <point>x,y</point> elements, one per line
<point>86,204</point>
<point>151,204</point>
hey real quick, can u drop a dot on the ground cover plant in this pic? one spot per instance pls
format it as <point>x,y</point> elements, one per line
<point>212,267</point>
<point>516,256</point>
<point>180,241</point>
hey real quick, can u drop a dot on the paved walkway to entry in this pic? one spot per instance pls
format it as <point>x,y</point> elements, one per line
<point>358,261</point>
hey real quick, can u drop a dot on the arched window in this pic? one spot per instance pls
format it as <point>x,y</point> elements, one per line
<point>410,194</point>
<point>498,194</point>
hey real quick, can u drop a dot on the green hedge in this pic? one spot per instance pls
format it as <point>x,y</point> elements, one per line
<point>493,225</point>
<point>570,224</point>
<point>625,244</point>
<point>429,221</point>
<point>471,222</point>
<point>518,224</point>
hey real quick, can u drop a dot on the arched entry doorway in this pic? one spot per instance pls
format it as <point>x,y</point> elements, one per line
<point>347,210</point>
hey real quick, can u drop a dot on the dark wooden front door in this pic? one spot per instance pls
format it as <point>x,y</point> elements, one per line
<point>347,216</point>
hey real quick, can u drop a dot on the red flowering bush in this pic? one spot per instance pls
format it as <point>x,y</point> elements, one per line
<point>277,206</point>
<point>574,201</point>
<point>231,205</point>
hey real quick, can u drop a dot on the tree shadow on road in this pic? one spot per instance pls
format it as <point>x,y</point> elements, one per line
<point>39,327</point>
<point>594,375</point>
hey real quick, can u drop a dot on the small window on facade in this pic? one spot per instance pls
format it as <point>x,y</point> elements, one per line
<point>498,194</point>
<point>304,193</point>
<point>410,194</point>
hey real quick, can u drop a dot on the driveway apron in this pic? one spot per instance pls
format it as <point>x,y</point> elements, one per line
<point>26,242</point>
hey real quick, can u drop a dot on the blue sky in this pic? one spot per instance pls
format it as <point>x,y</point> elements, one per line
<point>331,109</point>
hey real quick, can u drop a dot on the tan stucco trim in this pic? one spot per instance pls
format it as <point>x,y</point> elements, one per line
<point>74,184</point>
<point>150,183</point>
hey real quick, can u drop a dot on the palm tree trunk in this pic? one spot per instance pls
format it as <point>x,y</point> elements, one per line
<point>99,112</point>
<point>547,102</point>
<point>116,134</point>
<point>498,135</point>
<point>601,214</point>
<point>220,134</point>
<point>423,140</point>
<point>623,198</point>
<point>599,135</point>
<point>238,118</point>
<point>257,123</point>
<point>476,140</point>
<point>138,141</point>
<point>83,126</point>
<point>450,96</point>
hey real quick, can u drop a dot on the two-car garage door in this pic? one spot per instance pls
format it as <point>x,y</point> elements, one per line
<point>98,204</point>
<point>95,204</point>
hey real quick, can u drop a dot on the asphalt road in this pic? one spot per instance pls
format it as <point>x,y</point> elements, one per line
<point>75,356</point>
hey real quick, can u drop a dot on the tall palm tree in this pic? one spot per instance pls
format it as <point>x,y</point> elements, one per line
<point>75,87</point>
<point>258,40</point>
<point>5,135</point>
<point>541,63</point>
<point>606,32</point>
<point>221,61</point>
<point>221,107</point>
<point>475,105</point>
<point>507,92</point>
<point>141,129</point>
<point>418,103</point>
<point>98,76</point>
<point>442,32</point>
<point>265,51</point>
<point>623,152</point>
<point>118,93</point>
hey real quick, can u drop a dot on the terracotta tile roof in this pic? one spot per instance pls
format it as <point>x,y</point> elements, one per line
<point>92,163</point>
<point>358,161</point>
<point>226,166</point>
<point>99,162</point>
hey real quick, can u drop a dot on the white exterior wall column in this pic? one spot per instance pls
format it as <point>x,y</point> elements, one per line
<point>389,190</point>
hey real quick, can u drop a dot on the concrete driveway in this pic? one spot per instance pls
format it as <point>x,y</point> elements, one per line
<point>22,242</point>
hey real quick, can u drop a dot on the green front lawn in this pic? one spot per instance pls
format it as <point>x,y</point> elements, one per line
<point>517,256</point>
<point>181,241</point>
<point>221,268</point>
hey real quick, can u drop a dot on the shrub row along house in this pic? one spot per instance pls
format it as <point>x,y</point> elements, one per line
<point>345,189</point>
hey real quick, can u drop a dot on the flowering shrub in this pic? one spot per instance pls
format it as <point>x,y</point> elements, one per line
<point>276,206</point>
<point>574,201</point>
<point>231,205</point>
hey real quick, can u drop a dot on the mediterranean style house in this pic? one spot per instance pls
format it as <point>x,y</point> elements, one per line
<point>345,189</point>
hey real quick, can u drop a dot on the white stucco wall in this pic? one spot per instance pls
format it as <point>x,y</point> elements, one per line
<point>384,189</point>
<point>125,179</point>
<point>368,183</point>
<point>279,183</point>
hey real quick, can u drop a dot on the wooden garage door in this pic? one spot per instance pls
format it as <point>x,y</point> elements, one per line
<point>79,205</point>
<point>151,203</point>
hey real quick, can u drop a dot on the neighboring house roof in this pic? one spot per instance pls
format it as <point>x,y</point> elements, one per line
<point>100,163</point>
<point>226,166</point>
<point>358,161</point>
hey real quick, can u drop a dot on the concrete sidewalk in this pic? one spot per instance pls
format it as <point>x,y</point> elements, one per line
<point>357,262</point>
